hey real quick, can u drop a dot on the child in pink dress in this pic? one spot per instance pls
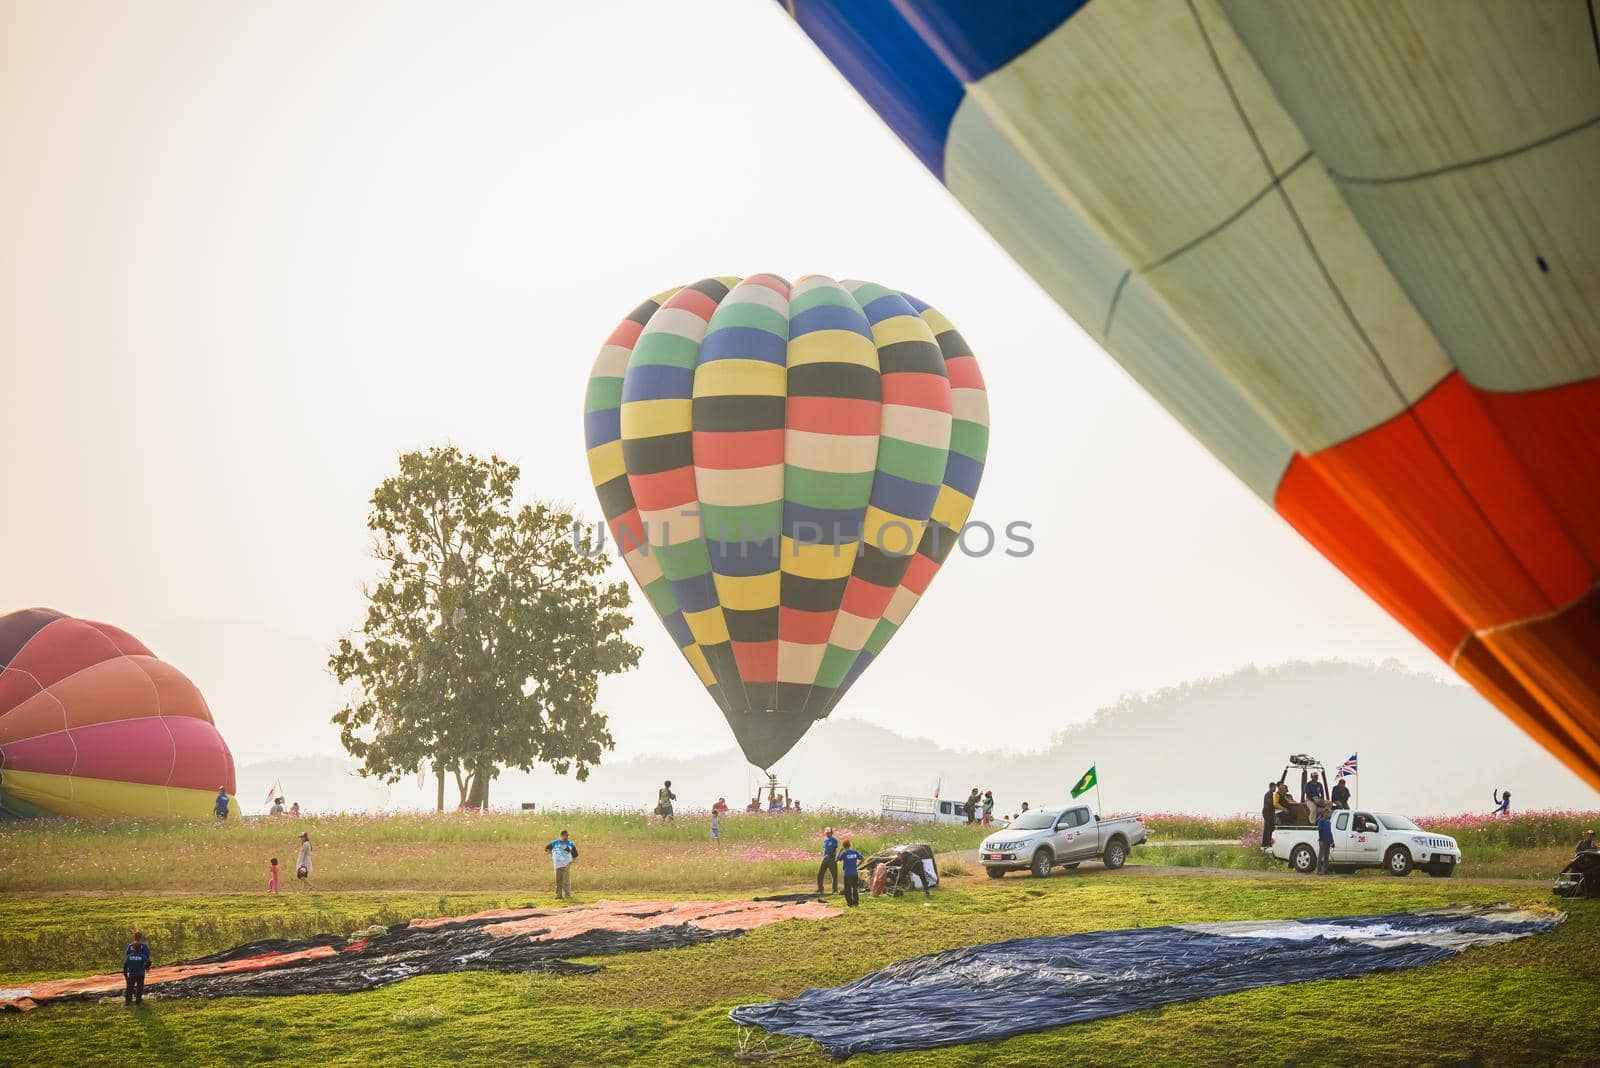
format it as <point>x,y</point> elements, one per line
<point>272,883</point>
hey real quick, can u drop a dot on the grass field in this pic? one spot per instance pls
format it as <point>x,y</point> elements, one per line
<point>1536,1000</point>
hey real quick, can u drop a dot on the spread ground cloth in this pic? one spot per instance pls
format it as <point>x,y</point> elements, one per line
<point>499,940</point>
<point>1032,984</point>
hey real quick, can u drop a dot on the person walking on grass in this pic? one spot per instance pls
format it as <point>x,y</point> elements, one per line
<point>830,859</point>
<point>563,851</point>
<point>716,826</point>
<point>664,799</point>
<point>1324,839</point>
<point>135,960</point>
<point>851,860</point>
<point>272,880</point>
<point>221,806</point>
<point>302,862</point>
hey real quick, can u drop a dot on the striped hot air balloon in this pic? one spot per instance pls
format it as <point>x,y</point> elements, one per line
<point>93,724</point>
<point>784,467</point>
<point>1353,246</point>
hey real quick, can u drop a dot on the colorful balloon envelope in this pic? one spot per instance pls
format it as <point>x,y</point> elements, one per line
<point>1354,248</point>
<point>92,724</point>
<point>784,468</point>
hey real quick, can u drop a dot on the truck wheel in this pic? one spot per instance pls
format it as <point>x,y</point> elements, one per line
<point>995,873</point>
<point>1040,865</point>
<point>1303,859</point>
<point>1398,862</point>
<point>1116,854</point>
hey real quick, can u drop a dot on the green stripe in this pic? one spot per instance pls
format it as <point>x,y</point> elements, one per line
<point>674,350</point>
<point>835,662</point>
<point>830,489</point>
<point>969,439</point>
<point>683,561</point>
<point>659,594</point>
<point>749,313</point>
<point>866,294</point>
<point>822,296</point>
<point>916,463</point>
<point>880,637</point>
<point>742,523</point>
<point>602,393</point>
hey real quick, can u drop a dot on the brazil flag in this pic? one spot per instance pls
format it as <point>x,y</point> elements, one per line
<point>1085,784</point>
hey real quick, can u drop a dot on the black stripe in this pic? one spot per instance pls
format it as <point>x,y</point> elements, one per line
<point>952,344</point>
<point>642,313</point>
<point>938,540</point>
<point>651,456</point>
<point>820,701</point>
<point>760,625</point>
<point>616,497</point>
<point>902,356</point>
<point>711,288</point>
<point>878,567</point>
<point>738,413</point>
<point>849,380</point>
<point>792,696</point>
<point>763,696</point>
<point>726,671</point>
<point>809,594</point>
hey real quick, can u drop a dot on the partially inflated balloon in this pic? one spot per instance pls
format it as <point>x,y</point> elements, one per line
<point>93,724</point>
<point>1353,247</point>
<point>784,468</point>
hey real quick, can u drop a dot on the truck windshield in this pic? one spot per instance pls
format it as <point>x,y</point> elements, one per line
<point>1396,823</point>
<point>1035,821</point>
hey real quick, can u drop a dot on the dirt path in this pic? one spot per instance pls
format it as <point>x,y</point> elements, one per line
<point>969,857</point>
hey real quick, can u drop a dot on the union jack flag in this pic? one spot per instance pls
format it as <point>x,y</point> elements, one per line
<point>1347,770</point>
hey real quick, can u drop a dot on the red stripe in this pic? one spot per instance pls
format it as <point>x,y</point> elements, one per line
<point>864,599</point>
<point>626,334</point>
<point>758,661</point>
<point>772,282</point>
<point>963,372</point>
<point>917,390</point>
<point>737,450</point>
<point>804,628</point>
<point>694,301</point>
<point>835,415</point>
<point>627,530</point>
<point>665,489</point>
<point>919,573</point>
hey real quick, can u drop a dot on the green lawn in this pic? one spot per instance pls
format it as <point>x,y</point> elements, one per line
<point>1533,1000</point>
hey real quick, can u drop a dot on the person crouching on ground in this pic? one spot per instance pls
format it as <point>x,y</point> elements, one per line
<point>135,959</point>
<point>1324,839</point>
<point>302,861</point>
<point>830,859</point>
<point>563,851</point>
<point>851,860</point>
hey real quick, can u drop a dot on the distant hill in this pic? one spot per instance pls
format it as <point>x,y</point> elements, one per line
<point>1206,746</point>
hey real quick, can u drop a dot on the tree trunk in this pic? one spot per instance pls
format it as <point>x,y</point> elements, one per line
<point>438,771</point>
<point>478,790</point>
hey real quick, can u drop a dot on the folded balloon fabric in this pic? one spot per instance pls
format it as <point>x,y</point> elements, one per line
<point>499,940</point>
<point>1032,984</point>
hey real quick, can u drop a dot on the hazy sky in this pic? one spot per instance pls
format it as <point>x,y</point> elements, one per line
<point>252,252</point>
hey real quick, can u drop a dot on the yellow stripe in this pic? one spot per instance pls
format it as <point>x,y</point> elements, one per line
<point>709,627</point>
<point>832,346</point>
<point>652,418</point>
<point>936,322</point>
<point>900,328</point>
<point>605,462</point>
<point>98,798</point>
<point>697,660</point>
<point>889,533</point>
<point>748,593</point>
<point>818,561</point>
<point>740,378</point>
<point>952,507</point>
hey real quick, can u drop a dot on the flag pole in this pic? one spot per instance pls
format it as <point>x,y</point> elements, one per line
<point>1097,806</point>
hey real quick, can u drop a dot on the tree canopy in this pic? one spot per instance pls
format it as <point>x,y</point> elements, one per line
<point>486,634</point>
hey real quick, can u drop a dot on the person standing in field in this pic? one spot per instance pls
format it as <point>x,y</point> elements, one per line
<point>971,806</point>
<point>221,806</point>
<point>294,809</point>
<point>563,851</point>
<point>664,799</point>
<point>1269,814</point>
<point>851,860</point>
<point>830,860</point>
<point>302,861</point>
<point>272,880</point>
<point>135,960</point>
<point>716,827</point>
<point>988,808</point>
<point>1324,839</point>
<point>1502,803</point>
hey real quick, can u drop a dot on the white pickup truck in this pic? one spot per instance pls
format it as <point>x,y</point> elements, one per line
<point>1365,839</point>
<point>1049,838</point>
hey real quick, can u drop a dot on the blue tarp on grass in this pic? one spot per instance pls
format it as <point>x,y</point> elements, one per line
<point>1032,984</point>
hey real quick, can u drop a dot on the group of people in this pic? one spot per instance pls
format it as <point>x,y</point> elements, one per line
<point>979,807</point>
<point>834,854</point>
<point>1278,805</point>
<point>776,802</point>
<point>277,808</point>
<point>302,866</point>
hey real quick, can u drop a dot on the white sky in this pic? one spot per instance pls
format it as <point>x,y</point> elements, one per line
<point>252,252</point>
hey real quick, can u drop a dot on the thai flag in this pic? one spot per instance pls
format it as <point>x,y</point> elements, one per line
<point>1347,770</point>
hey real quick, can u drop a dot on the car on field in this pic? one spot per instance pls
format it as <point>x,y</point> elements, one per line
<point>1048,838</point>
<point>924,809</point>
<point>1364,838</point>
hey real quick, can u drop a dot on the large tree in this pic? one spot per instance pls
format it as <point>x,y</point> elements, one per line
<point>486,635</point>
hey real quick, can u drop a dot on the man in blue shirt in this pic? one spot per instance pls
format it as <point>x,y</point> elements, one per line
<point>221,807</point>
<point>830,860</point>
<point>563,851</point>
<point>135,959</point>
<point>852,882</point>
<point>1324,840</point>
<point>1311,793</point>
